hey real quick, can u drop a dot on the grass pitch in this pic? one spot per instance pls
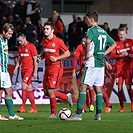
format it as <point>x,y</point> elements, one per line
<point>113,122</point>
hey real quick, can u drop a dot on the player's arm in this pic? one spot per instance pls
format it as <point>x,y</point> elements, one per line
<point>40,57</point>
<point>17,66</point>
<point>75,59</point>
<point>114,54</point>
<point>35,66</point>
<point>65,55</point>
<point>110,49</point>
<point>87,47</point>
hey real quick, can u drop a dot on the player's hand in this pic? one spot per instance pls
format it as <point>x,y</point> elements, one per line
<point>74,74</point>
<point>87,57</point>
<point>53,59</point>
<point>38,59</point>
<point>108,66</point>
<point>131,55</point>
<point>35,75</point>
<point>124,54</point>
<point>0,64</point>
<point>15,71</point>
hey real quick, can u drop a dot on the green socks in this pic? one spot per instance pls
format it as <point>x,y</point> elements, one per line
<point>99,98</point>
<point>10,107</point>
<point>81,100</point>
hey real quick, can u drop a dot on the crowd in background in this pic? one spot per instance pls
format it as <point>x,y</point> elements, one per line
<point>25,16</point>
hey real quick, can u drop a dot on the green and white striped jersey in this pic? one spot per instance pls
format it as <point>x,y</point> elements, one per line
<point>3,54</point>
<point>100,41</point>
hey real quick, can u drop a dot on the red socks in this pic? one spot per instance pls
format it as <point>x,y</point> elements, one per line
<point>53,105</point>
<point>24,97</point>
<point>32,99</point>
<point>120,95</point>
<point>61,95</point>
<point>106,99</point>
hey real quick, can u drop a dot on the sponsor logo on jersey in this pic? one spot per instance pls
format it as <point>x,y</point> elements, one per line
<point>24,55</point>
<point>49,50</point>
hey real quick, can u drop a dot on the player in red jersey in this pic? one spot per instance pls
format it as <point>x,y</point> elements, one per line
<point>28,60</point>
<point>80,54</point>
<point>123,65</point>
<point>54,50</point>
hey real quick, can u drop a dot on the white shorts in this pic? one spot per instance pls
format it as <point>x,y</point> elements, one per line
<point>5,81</point>
<point>93,76</point>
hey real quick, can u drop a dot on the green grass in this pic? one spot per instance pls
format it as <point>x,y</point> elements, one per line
<point>112,122</point>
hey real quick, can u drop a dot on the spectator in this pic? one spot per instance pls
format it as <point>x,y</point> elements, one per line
<point>58,24</point>
<point>5,11</point>
<point>29,30</point>
<point>34,10</point>
<point>73,37</point>
<point>39,35</point>
<point>20,9</point>
<point>106,27</point>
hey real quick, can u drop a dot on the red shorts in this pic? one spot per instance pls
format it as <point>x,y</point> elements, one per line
<point>27,76</point>
<point>122,75</point>
<point>52,76</point>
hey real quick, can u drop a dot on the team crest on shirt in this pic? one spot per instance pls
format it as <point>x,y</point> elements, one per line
<point>126,44</point>
<point>26,50</point>
<point>6,50</point>
<point>53,44</point>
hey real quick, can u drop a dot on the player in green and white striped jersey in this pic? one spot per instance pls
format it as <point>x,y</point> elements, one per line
<point>98,44</point>
<point>5,82</point>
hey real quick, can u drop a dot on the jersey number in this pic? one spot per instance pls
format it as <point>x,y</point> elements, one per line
<point>102,39</point>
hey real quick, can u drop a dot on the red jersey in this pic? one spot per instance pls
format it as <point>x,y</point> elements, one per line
<point>53,47</point>
<point>26,54</point>
<point>122,62</point>
<point>78,54</point>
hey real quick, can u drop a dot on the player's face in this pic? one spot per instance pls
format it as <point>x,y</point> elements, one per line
<point>83,42</point>
<point>8,34</point>
<point>122,35</point>
<point>47,30</point>
<point>21,40</point>
<point>89,21</point>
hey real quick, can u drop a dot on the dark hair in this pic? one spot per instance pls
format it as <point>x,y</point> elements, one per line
<point>50,24</point>
<point>122,29</point>
<point>6,27</point>
<point>21,34</point>
<point>93,15</point>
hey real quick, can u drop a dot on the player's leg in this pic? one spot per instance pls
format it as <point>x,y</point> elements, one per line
<point>24,94</point>
<point>99,81</point>
<point>119,82</point>
<point>92,99</point>
<point>98,103</point>
<point>52,74</point>
<point>1,116</point>
<point>31,97</point>
<point>8,97</point>
<point>82,93</point>
<point>67,97</point>
<point>106,100</point>
<point>128,82</point>
<point>51,94</point>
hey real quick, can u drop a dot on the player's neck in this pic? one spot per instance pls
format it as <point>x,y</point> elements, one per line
<point>94,24</point>
<point>50,37</point>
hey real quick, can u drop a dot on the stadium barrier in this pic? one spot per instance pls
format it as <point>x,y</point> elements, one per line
<point>67,84</point>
